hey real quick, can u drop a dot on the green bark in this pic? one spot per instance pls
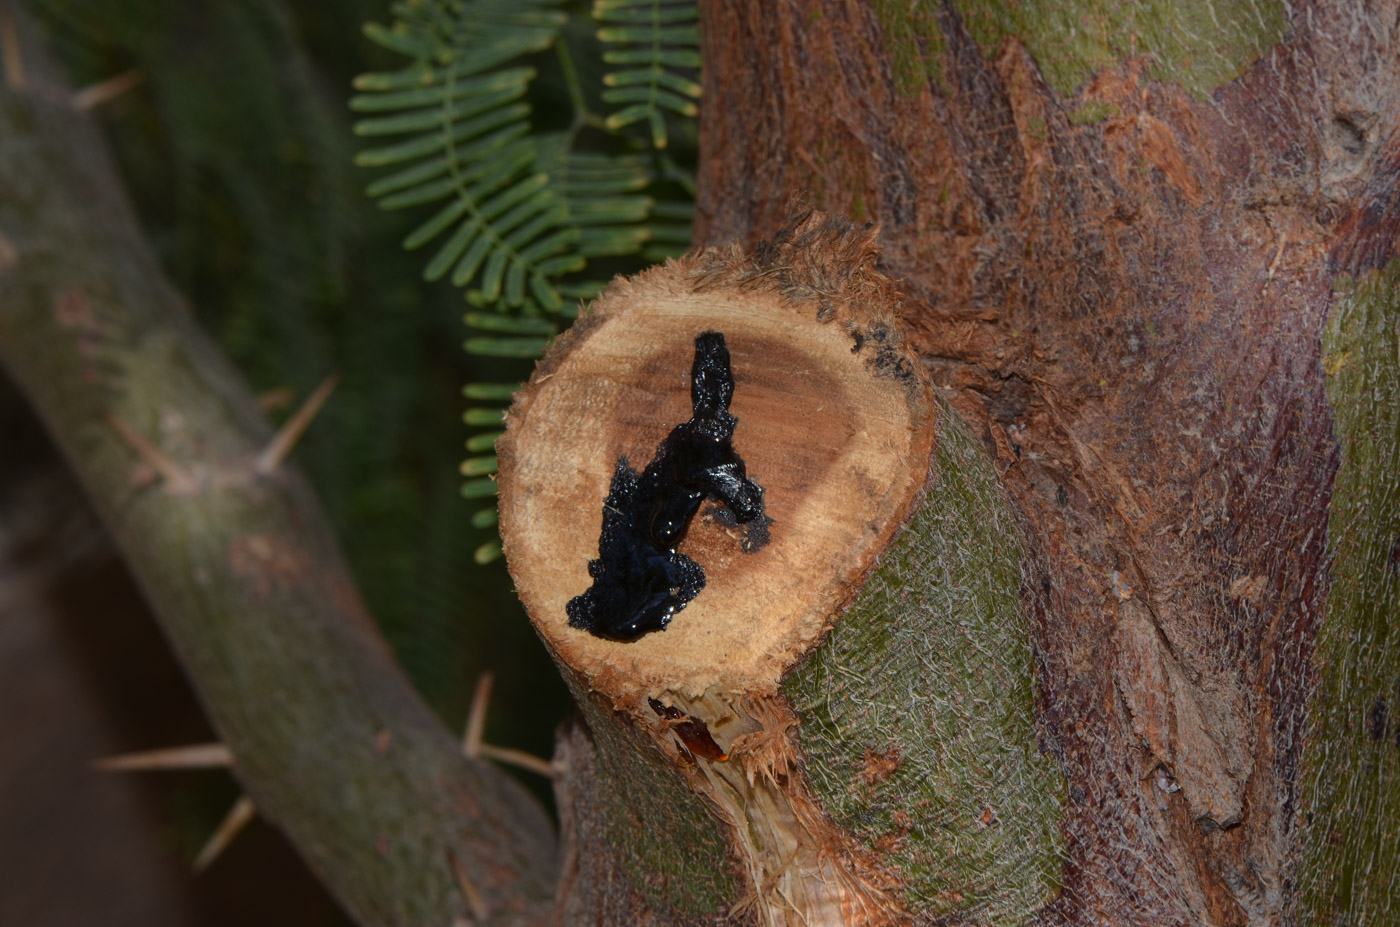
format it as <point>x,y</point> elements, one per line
<point>916,728</point>
<point>1351,761</point>
<point>1198,44</point>
<point>930,672</point>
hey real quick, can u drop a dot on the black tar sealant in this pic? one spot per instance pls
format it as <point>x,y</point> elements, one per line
<point>639,579</point>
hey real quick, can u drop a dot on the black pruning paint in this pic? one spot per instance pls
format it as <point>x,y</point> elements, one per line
<point>639,580</point>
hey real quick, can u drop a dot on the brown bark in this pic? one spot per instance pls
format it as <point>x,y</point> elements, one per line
<point>1130,312</point>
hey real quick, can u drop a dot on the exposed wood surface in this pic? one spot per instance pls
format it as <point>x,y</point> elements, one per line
<point>1119,269</point>
<point>836,435</point>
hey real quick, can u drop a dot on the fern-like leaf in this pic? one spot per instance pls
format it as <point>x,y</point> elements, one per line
<point>606,203</point>
<point>657,43</point>
<point>464,144</point>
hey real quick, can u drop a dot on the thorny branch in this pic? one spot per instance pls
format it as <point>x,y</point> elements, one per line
<point>235,556</point>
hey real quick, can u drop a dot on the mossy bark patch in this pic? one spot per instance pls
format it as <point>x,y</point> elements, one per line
<point>913,41</point>
<point>942,773</point>
<point>1351,779</point>
<point>1199,44</point>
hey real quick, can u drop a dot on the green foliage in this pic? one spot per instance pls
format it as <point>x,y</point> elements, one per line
<point>528,197</point>
<point>656,44</point>
<point>468,149</point>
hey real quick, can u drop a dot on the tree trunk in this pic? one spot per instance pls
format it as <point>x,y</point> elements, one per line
<point>1144,252</point>
<point>1110,639</point>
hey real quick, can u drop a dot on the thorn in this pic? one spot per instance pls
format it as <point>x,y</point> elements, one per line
<point>177,478</point>
<point>95,95</point>
<point>282,443</point>
<point>476,716</point>
<point>480,912</point>
<point>517,758</point>
<point>237,818</point>
<point>274,399</point>
<point>195,756</point>
<point>10,51</point>
<point>473,746</point>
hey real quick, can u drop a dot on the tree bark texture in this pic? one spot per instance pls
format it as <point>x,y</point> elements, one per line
<point>1145,251</point>
<point>237,561</point>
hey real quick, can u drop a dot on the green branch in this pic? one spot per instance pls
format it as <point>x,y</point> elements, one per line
<point>239,565</point>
